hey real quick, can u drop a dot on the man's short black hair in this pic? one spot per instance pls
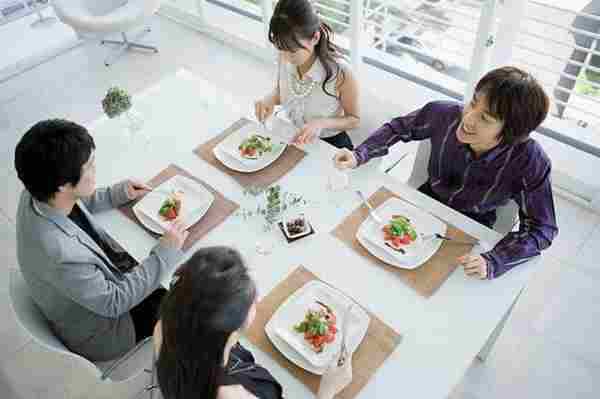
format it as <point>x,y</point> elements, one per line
<point>515,98</point>
<point>51,154</point>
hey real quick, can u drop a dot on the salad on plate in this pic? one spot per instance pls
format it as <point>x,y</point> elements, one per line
<point>171,206</point>
<point>319,327</point>
<point>255,146</point>
<point>399,233</point>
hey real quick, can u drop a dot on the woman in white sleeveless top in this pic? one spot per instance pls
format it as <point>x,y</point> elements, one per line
<point>314,84</point>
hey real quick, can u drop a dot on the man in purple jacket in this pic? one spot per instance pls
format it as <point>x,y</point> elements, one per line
<point>481,157</point>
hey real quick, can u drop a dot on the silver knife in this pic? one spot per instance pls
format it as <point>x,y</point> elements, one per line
<point>372,212</point>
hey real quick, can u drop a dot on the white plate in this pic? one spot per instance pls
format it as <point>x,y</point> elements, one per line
<point>280,329</point>
<point>370,236</point>
<point>196,202</point>
<point>228,154</point>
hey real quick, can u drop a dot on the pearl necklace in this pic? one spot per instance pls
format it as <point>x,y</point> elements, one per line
<point>302,88</point>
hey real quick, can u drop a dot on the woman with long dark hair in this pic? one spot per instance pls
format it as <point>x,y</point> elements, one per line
<point>314,83</point>
<point>211,300</point>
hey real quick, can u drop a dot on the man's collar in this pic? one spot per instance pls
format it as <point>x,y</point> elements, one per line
<point>56,216</point>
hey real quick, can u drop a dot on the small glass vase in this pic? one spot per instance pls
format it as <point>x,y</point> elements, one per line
<point>132,121</point>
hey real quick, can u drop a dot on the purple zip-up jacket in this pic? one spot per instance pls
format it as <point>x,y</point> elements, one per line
<point>520,172</point>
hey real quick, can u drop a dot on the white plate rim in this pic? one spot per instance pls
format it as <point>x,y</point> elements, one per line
<point>388,258</point>
<point>231,162</point>
<point>292,354</point>
<point>151,225</point>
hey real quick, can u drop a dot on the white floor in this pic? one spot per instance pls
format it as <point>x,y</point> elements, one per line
<point>30,43</point>
<point>548,348</point>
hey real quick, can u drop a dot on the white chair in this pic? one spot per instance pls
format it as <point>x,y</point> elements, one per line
<point>98,19</point>
<point>506,215</point>
<point>122,378</point>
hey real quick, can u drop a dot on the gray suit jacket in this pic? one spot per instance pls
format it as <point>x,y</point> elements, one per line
<point>84,296</point>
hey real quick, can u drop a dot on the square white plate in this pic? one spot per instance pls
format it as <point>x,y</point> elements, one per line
<point>370,236</point>
<point>196,202</point>
<point>280,329</point>
<point>234,160</point>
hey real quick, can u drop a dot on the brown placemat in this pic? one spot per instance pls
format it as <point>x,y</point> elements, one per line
<point>262,178</point>
<point>425,279</point>
<point>379,342</point>
<point>220,209</point>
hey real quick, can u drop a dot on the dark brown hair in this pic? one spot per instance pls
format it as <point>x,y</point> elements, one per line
<point>51,154</point>
<point>293,20</point>
<point>515,98</point>
<point>210,298</point>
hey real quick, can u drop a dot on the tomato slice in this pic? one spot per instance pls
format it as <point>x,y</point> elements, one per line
<point>171,214</point>
<point>397,242</point>
<point>319,340</point>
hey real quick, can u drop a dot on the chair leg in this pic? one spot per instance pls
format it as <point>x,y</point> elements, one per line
<point>125,45</point>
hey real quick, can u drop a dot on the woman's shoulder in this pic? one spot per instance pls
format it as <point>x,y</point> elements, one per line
<point>234,392</point>
<point>342,62</point>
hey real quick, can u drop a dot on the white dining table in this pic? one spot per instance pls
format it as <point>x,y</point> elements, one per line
<point>441,335</point>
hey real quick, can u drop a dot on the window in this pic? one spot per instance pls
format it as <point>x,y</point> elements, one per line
<point>559,45</point>
<point>438,34</point>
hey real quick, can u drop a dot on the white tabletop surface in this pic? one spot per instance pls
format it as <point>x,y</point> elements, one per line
<point>441,335</point>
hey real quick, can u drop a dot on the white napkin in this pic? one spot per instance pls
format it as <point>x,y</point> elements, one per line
<point>337,377</point>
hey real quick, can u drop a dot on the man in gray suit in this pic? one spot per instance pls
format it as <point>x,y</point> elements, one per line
<point>73,268</point>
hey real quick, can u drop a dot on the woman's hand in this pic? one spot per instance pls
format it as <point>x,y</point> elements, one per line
<point>309,132</point>
<point>345,159</point>
<point>264,108</point>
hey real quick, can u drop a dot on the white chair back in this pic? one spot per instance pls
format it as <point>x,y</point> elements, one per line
<point>32,320</point>
<point>506,215</point>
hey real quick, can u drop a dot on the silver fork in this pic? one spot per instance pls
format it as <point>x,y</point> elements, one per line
<point>441,237</point>
<point>343,353</point>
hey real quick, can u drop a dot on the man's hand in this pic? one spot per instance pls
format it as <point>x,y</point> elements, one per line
<point>135,189</point>
<point>345,159</point>
<point>474,265</point>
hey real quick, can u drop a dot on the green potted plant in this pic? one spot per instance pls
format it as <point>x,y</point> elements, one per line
<point>117,104</point>
<point>116,101</point>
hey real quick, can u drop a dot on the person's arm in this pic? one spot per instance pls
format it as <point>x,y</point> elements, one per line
<point>107,198</point>
<point>415,126</point>
<point>112,296</point>
<point>537,221</point>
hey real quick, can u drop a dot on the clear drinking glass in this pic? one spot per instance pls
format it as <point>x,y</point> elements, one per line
<point>338,185</point>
